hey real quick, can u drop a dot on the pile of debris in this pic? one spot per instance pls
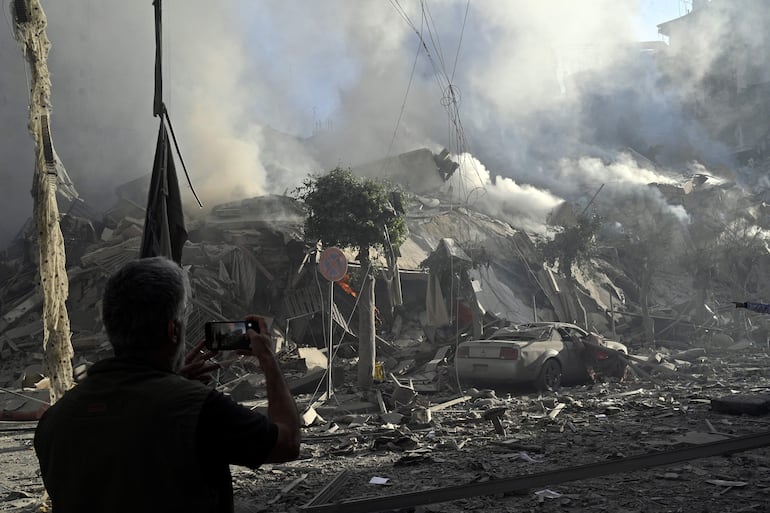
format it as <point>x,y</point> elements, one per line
<point>249,256</point>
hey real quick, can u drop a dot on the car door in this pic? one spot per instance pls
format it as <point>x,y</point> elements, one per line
<point>573,364</point>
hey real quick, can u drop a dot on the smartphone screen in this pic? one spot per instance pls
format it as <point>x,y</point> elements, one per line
<point>227,335</point>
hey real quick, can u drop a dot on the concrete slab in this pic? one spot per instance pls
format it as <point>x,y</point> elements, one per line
<point>751,404</point>
<point>329,410</point>
<point>314,358</point>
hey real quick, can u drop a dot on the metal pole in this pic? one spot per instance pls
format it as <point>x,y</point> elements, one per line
<point>288,321</point>
<point>612,314</point>
<point>329,383</point>
<point>534,308</point>
<point>540,479</point>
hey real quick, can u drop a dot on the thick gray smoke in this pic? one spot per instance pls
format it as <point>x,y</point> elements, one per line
<point>262,93</point>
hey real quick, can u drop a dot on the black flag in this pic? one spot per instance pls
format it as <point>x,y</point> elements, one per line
<point>157,104</point>
<point>164,230</point>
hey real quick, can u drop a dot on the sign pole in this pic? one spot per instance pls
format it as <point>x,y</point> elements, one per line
<point>329,382</point>
<point>333,266</point>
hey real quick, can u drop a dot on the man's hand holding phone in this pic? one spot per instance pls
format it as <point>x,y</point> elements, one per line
<point>260,342</point>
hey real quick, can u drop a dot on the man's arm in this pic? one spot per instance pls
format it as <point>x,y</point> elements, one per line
<point>754,307</point>
<point>281,408</point>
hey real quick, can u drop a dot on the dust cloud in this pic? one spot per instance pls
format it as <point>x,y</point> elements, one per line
<point>547,94</point>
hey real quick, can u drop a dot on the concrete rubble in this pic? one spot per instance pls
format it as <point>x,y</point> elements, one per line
<point>249,256</point>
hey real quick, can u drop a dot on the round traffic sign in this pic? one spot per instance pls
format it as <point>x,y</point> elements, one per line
<point>333,264</point>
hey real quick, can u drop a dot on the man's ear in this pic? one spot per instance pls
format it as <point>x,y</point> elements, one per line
<point>172,330</point>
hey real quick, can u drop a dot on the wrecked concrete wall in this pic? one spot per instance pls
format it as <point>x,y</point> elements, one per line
<point>250,256</point>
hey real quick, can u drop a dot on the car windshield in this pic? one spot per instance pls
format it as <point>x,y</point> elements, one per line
<point>523,333</point>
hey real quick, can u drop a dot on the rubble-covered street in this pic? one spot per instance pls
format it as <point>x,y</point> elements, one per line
<point>411,450</point>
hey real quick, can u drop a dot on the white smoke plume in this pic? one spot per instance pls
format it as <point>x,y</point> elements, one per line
<point>589,171</point>
<point>262,93</point>
<point>521,205</point>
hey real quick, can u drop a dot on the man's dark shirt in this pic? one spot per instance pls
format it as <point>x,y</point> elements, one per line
<point>134,438</point>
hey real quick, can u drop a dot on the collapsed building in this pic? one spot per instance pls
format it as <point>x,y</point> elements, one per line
<point>460,272</point>
<point>250,255</point>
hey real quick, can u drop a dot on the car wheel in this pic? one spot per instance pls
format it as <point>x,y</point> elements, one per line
<point>550,376</point>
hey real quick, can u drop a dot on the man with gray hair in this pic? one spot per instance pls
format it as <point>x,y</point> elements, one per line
<point>139,433</point>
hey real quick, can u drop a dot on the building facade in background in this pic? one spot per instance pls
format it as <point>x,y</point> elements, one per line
<point>720,53</point>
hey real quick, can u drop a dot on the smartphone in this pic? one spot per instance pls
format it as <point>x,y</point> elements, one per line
<point>228,335</point>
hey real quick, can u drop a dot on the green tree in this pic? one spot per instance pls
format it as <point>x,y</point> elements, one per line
<point>351,212</point>
<point>573,245</point>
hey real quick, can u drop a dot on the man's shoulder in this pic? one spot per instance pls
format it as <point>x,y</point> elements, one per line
<point>115,377</point>
<point>221,406</point>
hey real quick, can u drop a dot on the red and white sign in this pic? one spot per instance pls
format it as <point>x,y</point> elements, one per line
<point>333,264</point>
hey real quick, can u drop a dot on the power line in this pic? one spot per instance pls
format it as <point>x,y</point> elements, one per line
<point>451,95</point>
<point>403,104</point>
<point>435,41</point>
<point>460,42</point>
<point>437,71</point>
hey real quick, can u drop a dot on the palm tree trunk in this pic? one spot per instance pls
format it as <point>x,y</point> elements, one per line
<point>366,342</point>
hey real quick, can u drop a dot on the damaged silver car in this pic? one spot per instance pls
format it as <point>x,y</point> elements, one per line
<point>545,354</point>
